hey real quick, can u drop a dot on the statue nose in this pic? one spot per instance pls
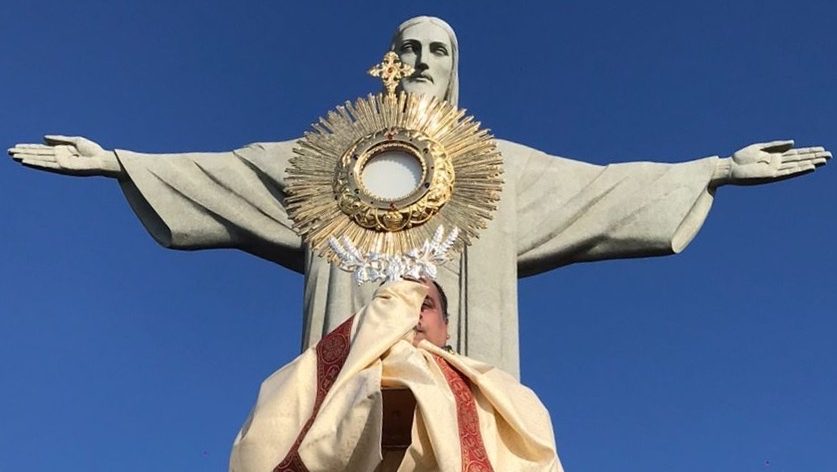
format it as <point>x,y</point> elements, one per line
<point>420,63</point>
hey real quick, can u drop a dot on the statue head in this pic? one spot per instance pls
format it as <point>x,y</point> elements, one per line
<point>433,318</point>
<point>429,45</point>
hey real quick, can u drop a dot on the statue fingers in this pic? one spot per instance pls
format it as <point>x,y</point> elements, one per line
<point>796,170</point>
<point>795,157</point>
<point>826,155</point>
<point>80,145</point>
<point>810,149</point>
<point>19,151</point>
<point>15,152</point>
<point>780,145</point>
<point>58,167</point>
<point>56,139</point>
<point>808,154</point>
<point>40,164</point>
<point>31,146</point>
<point>35,157</point>
<point>804,150</point>
<point>793,165</point>
<point>815,161</point>
<point>28,149</point>
<point>818,160</point>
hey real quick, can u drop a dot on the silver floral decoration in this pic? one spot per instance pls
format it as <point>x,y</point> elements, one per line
<point>375,266</point>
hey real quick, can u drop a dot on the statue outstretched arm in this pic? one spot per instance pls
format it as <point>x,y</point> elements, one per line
<point>204,200</point>
<point>768,162</point>
<point>68,155</point>
<point>569,211</point>
<point>190,200</point>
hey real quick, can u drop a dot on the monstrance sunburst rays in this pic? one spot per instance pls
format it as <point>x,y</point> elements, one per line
<point>462,191</point>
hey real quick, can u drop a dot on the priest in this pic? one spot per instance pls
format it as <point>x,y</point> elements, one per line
<point>323,411</point>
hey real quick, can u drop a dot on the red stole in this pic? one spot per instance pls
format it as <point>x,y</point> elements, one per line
<point>332,352</point>
<point>474,457</point>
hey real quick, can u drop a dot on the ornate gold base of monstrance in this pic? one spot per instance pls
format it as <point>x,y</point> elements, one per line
<point>375,183</point>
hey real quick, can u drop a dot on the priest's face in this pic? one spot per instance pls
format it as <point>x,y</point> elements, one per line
<point>432,325</point>
<point>427,48</point>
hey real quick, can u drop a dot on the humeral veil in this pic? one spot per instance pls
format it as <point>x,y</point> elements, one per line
<point>323,411</point>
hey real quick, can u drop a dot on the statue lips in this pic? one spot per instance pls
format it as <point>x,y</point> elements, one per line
<point>422,78</point>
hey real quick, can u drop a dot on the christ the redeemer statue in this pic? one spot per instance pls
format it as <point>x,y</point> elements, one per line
<point>553,211</point>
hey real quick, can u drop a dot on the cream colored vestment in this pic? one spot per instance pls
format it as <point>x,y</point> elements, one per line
<point>553,212</point>
<point>346,434</point>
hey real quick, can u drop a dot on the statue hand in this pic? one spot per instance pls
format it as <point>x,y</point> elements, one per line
<point>68,155</point>
<point>776,160</point>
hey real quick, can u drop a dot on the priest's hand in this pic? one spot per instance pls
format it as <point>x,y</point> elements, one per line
<point>768,162</point>
<point>68,155</point>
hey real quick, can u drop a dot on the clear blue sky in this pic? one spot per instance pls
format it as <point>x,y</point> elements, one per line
<point>116,354</point>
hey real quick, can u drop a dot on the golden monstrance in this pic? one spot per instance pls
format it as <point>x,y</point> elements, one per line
<point>375,183</point>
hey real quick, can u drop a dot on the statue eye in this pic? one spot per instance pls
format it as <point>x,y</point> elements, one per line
<point>408,47</point>
<point>440,49</point>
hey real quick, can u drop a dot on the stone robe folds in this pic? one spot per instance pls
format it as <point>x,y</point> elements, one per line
<point>553,212</point>
<point>345,434</point>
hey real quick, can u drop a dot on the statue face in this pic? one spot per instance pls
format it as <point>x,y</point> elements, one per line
<point>426,47</point>
<point>432,325</point>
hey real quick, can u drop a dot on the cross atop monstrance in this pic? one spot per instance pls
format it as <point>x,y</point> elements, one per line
<point>391,71</point>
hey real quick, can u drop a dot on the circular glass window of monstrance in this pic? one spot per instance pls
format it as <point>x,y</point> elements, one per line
<point>392,175</point>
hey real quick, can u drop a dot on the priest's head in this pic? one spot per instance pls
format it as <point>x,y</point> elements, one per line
<point>430,46</point>
<point>433,318</point>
